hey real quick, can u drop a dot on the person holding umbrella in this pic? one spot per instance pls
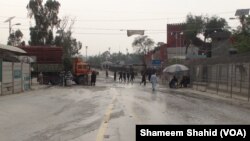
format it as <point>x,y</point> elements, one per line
<point>175,69</point>
<point>173,83</point>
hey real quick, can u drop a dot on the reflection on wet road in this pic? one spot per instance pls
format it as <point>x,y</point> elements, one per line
<point>108,111</point>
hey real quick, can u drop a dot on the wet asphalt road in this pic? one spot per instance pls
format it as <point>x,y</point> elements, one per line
<point>108,112</point>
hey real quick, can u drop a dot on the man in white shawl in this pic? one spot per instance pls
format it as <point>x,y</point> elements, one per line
<point>153,80</point>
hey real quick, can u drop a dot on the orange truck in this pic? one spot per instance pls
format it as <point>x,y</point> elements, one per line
<point>81,71</point>
<point>48,61</point>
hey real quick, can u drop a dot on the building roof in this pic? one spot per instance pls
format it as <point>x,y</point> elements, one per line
<point>7,48</point>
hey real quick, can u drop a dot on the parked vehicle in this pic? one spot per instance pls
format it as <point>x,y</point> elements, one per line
<point>48,60</point>
<point>81,71</point>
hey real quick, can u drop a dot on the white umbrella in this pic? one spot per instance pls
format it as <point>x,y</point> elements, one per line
<point>107,63</point>
<point>175,68</point>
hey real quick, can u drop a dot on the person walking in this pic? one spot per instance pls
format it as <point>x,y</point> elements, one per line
<point>107,74</point>
<point>115,76</point>
<point>128,76</point>
<point>62,78</point>
<point>153,80</point>
<point>120,76</point>
<point>93,78</point>
<point>143,79</point>
<point>149,75</point>
<point>132,77</point>
<point>124,76</point>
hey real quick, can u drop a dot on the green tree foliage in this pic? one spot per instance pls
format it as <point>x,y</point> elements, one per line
<point>194,26</point>
<point>200,25</point>
<point>95,61</point>
<point>143,44</point>
<point>114,58</point>
<point>15,38</point>
<point>214,24</point>
<point>46,18</point>
<point>242,42</point>
<point>241,36</point>
<point>70,45</point>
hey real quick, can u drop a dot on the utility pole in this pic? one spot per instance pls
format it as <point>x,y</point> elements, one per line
<point>10,25</point>
<point>86,53</point>
<point>9,20</point>
<point>176,45</point>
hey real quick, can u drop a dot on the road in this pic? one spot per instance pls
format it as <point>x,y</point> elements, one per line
<point>108,112</point>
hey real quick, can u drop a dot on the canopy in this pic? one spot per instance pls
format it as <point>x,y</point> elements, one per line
<point>13,49</point>
<point>175,68</point>
<point>107,63</point>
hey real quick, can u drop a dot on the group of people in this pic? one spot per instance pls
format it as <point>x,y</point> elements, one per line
<point>65,78</point>
<point>151,78</point>
<point>125,76</point>
<point>183,83</point>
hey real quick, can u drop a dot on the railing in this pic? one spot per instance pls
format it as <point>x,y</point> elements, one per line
<point>230,80</point>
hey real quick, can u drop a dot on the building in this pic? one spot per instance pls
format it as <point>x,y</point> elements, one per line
<point>14,74</point>
<point>175,41</point>
<point>159,54</point>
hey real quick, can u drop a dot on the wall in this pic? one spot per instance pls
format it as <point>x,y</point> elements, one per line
<point>172,31</point>
<point>175,41</point>
<point>177,52</point>
<point>14,77</point>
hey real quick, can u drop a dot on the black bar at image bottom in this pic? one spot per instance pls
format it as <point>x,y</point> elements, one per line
<point>193,132</point>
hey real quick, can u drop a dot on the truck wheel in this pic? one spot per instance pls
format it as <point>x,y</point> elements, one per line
<point>55,81</point>
<point>76,81</point>
<point>81,80</point>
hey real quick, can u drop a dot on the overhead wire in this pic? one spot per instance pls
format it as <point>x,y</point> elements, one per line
<point>153,31</point>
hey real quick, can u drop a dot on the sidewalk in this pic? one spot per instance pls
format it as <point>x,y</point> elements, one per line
<point>204,95</point>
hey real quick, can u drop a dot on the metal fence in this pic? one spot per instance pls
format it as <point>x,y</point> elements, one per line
<point>230,80</point>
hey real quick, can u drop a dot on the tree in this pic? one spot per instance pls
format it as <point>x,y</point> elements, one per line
<point>214,24</point>
<point>15,38</point>
<point>242,42</point>
<point>46,18</point>
<point>241,36</point>
<point>143,44</point>
<point>159,44</point>
<point>70,45</point>
<point>200,25</point>
<point>193,26</point>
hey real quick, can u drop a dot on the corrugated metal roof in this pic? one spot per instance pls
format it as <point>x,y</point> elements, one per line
<point>12,49</point>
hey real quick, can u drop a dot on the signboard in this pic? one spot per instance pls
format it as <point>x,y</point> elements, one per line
<point>17,74</point>
<point>156,62</point>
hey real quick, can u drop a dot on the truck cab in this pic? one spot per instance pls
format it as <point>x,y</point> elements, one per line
<point>81,71</point>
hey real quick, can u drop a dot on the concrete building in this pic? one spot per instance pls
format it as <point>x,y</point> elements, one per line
<point>175,41</point>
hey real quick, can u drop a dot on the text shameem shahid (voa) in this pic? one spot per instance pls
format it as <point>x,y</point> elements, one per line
<point>147,132</point>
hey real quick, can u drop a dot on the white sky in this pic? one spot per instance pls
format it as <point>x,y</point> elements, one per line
<point>98,22</point>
